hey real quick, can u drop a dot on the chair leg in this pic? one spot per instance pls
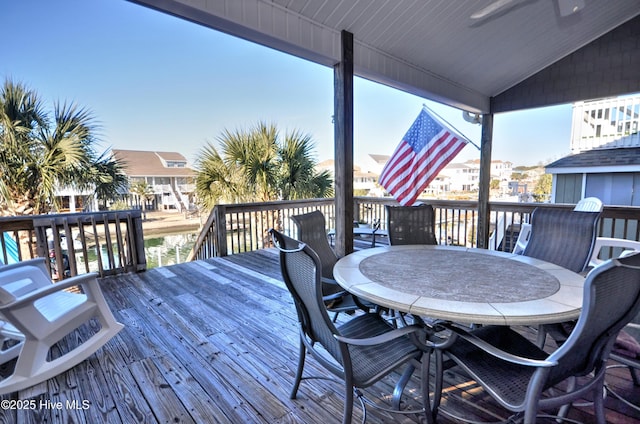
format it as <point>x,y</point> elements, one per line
<point>301,358</point>
<point>541,339</point>
<point>31,359</point>
<point>439,382</point>
<point>32,366</point>
<point>598,404</point>
<point>426,399</point>
<point>634,376</point>
<point>564,409</point>
<point>348,403</point>
<point>431,407</point>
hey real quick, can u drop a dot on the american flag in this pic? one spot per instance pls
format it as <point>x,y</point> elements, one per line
<point>426,148</point>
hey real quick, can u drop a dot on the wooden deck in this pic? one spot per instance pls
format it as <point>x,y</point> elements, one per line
<point>215,342</point>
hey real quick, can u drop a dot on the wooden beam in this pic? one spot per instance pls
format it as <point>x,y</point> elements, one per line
<point>343,127</point>
<point>484,214</point>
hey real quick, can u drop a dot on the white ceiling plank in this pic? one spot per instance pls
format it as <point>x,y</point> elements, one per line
<point>431,48</point>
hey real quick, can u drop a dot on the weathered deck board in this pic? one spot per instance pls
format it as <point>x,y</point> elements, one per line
<point>216,342</point>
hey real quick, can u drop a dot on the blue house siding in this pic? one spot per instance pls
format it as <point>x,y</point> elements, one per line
<point>615,189</point>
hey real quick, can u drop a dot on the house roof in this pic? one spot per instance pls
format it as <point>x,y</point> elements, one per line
<point>141,163</point>
<point>380,158</point>
<point>458,165</point>
<point>598,160</point>
<point>481,56</point>
<point>326,163</point>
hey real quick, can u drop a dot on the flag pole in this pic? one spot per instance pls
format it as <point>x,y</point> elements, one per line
<point>450,126</point>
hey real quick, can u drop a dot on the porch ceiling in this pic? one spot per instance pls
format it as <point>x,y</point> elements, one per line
<point>430,48</point>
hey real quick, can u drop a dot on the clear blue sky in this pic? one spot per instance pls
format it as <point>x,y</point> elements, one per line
<point>155,82</point>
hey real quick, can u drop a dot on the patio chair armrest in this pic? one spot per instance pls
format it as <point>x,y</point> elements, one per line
<point>382,338</point>
<point>494,351</point>
<point>81,280</point>
<point>328,280</point>
<point>336,295</point>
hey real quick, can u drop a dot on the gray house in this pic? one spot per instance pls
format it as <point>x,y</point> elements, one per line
<point>606,160</point>
<point>612,175</point>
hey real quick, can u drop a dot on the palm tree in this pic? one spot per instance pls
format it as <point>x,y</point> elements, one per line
<point>217,181</point>
<point>39,154</point>
<point>144,193</point>
<point>110,180</point>
<point>297,176</point>
<point>255,165</point>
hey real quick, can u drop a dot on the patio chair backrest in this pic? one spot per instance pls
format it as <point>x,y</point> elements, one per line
<point>312,232</point>
<point>411,225</point>
<point>563,237</point>
<point>301,271</point>
<point>611,300</point>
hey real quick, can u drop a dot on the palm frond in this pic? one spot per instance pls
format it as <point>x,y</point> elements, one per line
<point>255,165</point>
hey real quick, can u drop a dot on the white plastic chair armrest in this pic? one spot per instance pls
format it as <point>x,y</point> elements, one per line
<point>84,280</point>
<point>628,245</point>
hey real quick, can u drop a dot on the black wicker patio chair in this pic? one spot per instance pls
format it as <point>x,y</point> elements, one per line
<point>411,225</point>
<point>563,237</point>
<point>312,231</point>
<point>518,374</point>
<point>566,238</point>
<point>361,351</point>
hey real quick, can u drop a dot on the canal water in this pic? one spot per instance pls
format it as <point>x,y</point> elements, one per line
<point>168,249</point>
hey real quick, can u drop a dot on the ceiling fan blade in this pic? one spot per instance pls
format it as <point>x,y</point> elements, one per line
<point>494,8</point>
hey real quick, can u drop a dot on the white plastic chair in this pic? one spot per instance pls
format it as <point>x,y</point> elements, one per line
<point>523,238</point>
<point>39,313</point>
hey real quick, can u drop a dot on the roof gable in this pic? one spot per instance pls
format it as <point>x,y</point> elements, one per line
<point>141,163</point>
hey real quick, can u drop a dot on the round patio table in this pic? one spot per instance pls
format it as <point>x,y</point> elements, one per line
<point>473,286</point>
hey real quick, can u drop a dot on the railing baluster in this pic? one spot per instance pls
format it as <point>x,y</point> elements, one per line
<point>98,245</point>
<point>37,231</point>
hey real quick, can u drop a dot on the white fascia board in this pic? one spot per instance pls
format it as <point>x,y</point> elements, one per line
<point>279,28</point>
<point>593,169</point>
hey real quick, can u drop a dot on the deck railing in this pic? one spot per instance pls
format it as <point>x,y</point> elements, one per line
<point>105,242</point>
<point>243,227</point>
